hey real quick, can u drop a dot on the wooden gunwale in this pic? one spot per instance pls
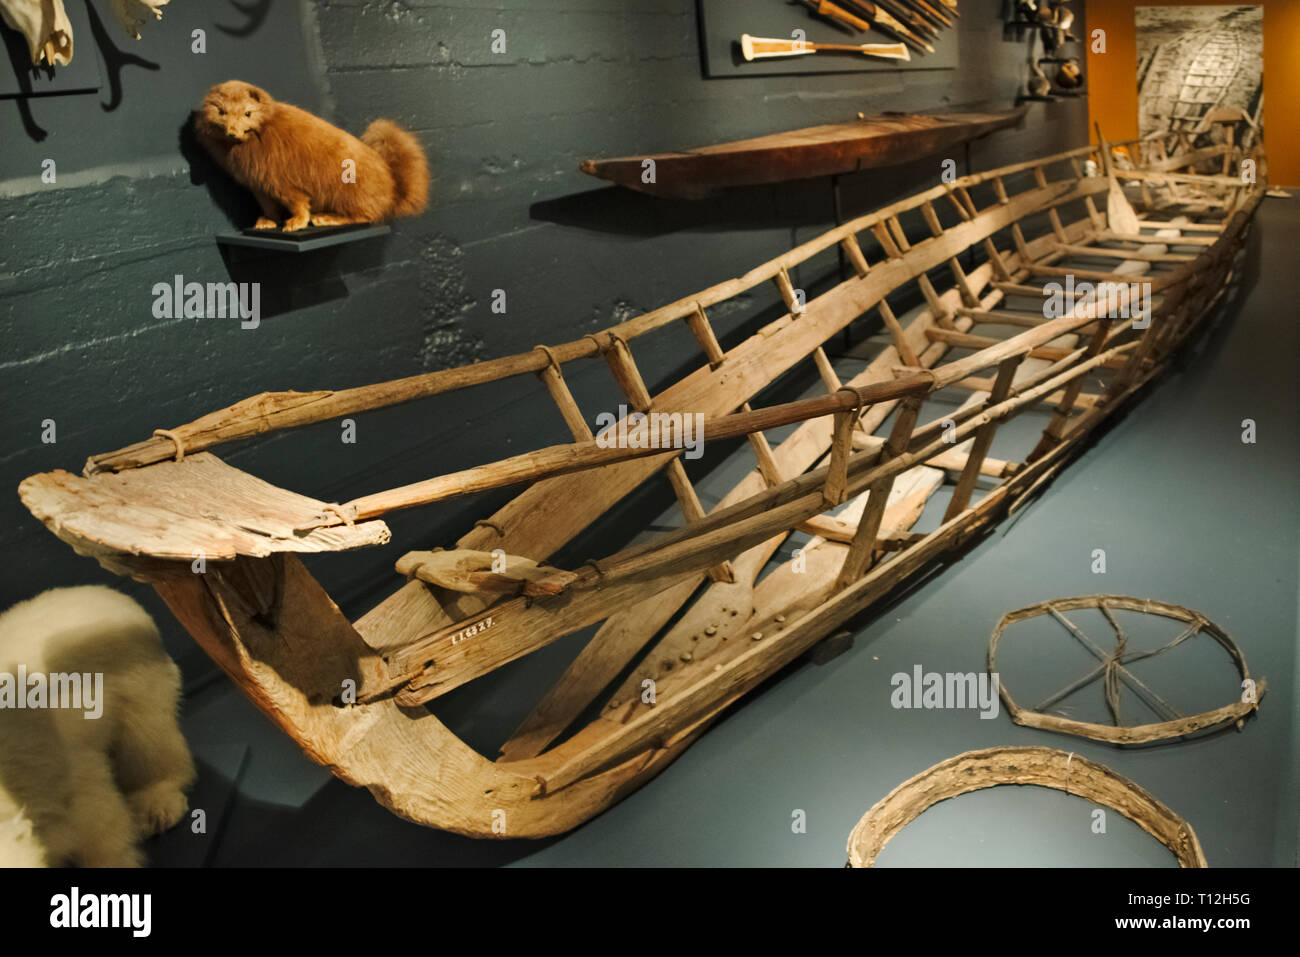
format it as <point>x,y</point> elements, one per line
<point>268,624</point>
<point>270,412</point>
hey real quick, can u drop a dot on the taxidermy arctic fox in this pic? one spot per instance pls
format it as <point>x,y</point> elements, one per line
<point>298,165</point>
<point>79,790</point>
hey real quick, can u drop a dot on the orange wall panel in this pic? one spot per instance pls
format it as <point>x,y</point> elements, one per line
<point>1112,76</point>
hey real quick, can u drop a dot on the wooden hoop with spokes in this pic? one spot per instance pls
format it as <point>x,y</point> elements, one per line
<point>1113,672</point>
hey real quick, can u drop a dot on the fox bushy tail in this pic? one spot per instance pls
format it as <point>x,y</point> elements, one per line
<point>406,160</point>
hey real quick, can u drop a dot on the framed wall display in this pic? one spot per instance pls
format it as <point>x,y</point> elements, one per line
<point>724,22</point>
<point>1195,60</point>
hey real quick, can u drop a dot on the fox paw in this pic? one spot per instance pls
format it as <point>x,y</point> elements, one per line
<point>265,223</point>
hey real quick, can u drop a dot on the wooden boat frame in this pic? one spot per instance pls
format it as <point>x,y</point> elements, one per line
<point>349,693</point>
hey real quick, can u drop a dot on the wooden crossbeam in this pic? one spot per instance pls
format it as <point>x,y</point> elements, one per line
<point>985,384</point>
<point>853,251</point>
<point>761,515</point>
<point>825,370</point>
<point>942,314</point>
<point>932,218</point>
<point>958,274</point>
<point>1171,240</point>
<point>1017,288</point>
<point>1004,317</point>
<point>1054,432</point>
<point>619,359</point>
<point>907,500</point>
<point>1058,228</point>
<point>704,335</point>
<point>1179,178</point>
<point>1022,246</point>
<point>1189,227</point>
<point>1187,160</point>
<point>703,330</point>
<point>970,203</point>
<point>968,341</point>
<point>970,473</point>
<point>559,391</point>
<point>1099,222</point>
<point>1128,253</point>
<point>886,241</point>
<point>830,379</point>
<point>1147,346</point>
<point>790,297</point>
<point>967,294</point>
<point>891,322</point>
<point>835,491</point>
<point>1122,278</point>
<point>767,466</point>
<point>859,262</point>
<point>955,460</point>
<point>628,376</point>
<point>956,204</point>
<point>900,237</point>
<point>999,264</point>
<point>858,558</point>
<point>558,460</point>
<point>1079,173</point>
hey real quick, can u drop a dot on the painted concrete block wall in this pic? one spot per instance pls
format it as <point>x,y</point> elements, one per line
<point>133,206</point>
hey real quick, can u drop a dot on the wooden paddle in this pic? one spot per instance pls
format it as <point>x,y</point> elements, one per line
<point>878,18</point>
<point>1120,217</point>
<point>755,48</point>
<point>881,19</point>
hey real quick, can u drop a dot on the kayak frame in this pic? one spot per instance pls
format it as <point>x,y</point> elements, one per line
<point>351,693</point>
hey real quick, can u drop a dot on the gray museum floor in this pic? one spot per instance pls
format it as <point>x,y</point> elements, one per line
<point>1185,511</point>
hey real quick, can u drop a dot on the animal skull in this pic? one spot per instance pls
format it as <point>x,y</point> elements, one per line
<point>49,34</point>
<point>45,25</point>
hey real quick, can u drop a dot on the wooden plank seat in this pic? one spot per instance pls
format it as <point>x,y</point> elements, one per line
<point>197,507</point>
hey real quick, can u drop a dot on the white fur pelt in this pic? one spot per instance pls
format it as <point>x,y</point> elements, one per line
<point>84,792</point>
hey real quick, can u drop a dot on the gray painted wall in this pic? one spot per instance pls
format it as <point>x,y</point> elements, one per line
<point>132,206</point>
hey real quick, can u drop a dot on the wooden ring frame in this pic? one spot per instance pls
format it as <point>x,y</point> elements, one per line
<point>1130,734</point>
<point>1043,767</point>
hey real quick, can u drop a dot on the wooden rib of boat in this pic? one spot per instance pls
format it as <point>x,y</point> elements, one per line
<point>885,140</point>
<point>703,613</point>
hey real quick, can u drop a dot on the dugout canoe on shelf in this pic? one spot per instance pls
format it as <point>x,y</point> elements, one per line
<point>893,460</point>
<point>884,140</point>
